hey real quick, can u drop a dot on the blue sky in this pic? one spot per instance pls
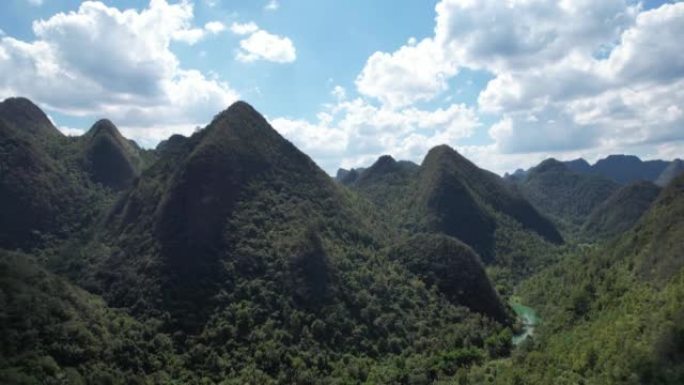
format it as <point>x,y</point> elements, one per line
<point>507,83</point>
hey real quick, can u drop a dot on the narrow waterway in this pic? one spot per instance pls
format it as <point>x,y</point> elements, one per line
<point>529,319</point>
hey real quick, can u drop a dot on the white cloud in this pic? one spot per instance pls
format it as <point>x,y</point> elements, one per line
<point>339,92</point>
<point>215,27</point>
<point>354,132</point>
<point>102,61</point>
<point>189,36</point>
<point>568,76</point>
<point>244,28</point>
<point>193,35</point>
<point>261,45</point>
<point>272,5</point>
<point>70,131</point>
<point>415,72</point>
<point>628,98</point>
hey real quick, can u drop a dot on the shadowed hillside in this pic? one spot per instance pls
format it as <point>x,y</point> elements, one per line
<point>621,210</point>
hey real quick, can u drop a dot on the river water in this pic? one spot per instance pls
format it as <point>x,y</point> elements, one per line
<point>529,319</point>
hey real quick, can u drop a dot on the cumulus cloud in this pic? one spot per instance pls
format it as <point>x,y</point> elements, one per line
<point>355,132</point>
<point>415,72</point>
<point>567,76</point>
<point>262,45</point>
<point>102,61</point>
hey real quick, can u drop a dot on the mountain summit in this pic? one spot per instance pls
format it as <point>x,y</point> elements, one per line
<point>109,158</point>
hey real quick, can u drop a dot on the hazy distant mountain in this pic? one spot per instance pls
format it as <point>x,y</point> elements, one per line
<point>517,176</point>
<point>578,165</point>
<point>628,168</point>
<point>673,170</point>
<point>623,169</point>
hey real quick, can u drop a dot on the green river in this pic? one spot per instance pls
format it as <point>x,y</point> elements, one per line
<point>529,319</point>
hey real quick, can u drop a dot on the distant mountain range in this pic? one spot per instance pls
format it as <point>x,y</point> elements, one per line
<point>623,169</point>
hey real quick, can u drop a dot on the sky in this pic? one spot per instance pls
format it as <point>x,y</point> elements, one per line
<point>507,83</point>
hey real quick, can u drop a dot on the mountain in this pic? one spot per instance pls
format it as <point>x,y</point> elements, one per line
<point>54,332</point>
<point>44,191</point>
<point>623,169</point>
<point>673,170</point>
<point>110,159</point>
<point>236,241</point>
<point>454,269</point>
<point>516,176</point>
<point>563,194</point>
<point>21,114</point>
<point>578,165</point>
<point>349,176</point>
<point>621,210</point>
<point>448,194</point>
<point>230,257</point>
<point>612,314</point>
<point>628,168</point>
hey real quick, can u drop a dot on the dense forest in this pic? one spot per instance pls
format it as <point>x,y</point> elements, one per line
<point>230,257</point>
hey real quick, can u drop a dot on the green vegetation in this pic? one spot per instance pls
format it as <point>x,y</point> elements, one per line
<point>229,257</point>
<point>612,314</point>
<point>566,196</point>
<point>620,211</point>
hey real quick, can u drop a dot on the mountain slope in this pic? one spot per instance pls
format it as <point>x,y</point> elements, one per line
<point>579,166</point>
<point>53,332</point>
<point>41,197</point>
<point>22,115</point>
<point>613,314</point>
<point>563,194</point>
<point>621,210</point>
<point>673,170</point>
<point>448,194</point>
<point>109,158</point>
<point>454,269</point>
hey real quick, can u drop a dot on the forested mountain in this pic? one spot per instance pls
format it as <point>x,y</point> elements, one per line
<point>109,158</point>
<point>621,210</point>
<point>242,260</point>
<point>612,314</point>
<point>563,194</point>
<point>44,189</point>
<point>230,257</point>
<point>448,194</point>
